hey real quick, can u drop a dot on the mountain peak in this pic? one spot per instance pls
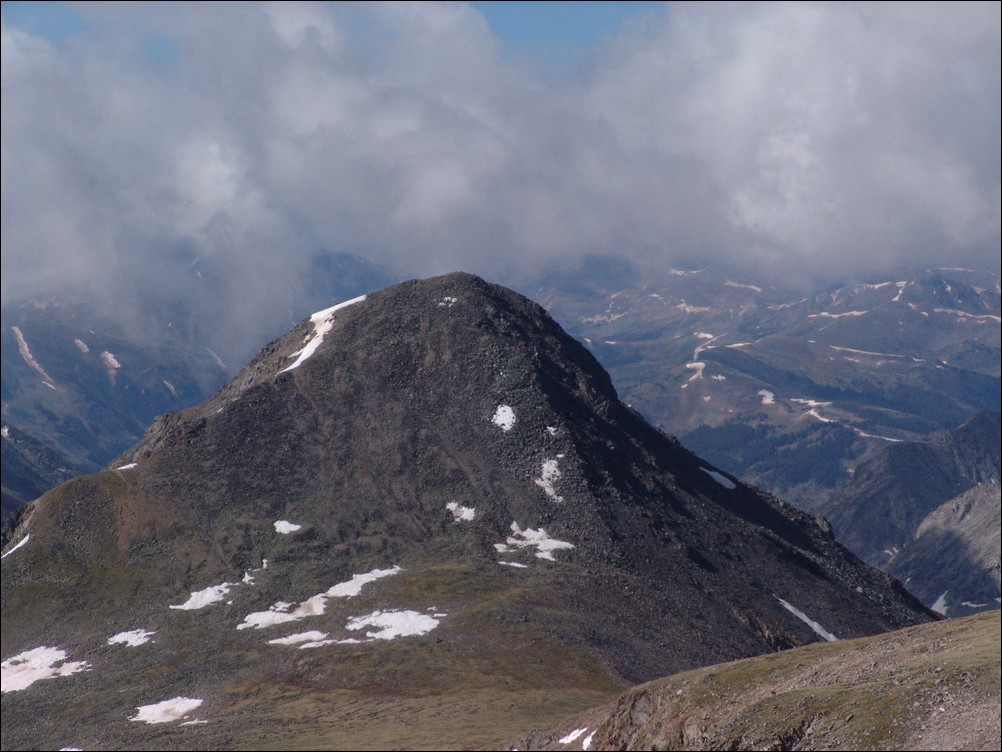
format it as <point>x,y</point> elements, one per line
<point>444,456</point>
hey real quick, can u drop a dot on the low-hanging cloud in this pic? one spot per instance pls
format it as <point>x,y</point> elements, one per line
<point>834,140</point>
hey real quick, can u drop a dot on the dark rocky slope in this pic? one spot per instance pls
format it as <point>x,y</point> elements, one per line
<point>627,556</point>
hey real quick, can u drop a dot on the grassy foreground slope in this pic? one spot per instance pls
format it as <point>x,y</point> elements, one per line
<point>934,686</point>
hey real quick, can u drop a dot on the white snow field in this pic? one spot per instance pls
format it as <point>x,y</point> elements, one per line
<point>504,418</point>
<point>24,669</point>
<point>132,638</point>
<point>818,629</point>
<point>323,321</point>
<point>167,711</point>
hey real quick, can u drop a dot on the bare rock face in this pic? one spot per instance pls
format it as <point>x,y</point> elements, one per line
<point>928,513</point>
<point>952,564</point>
<point>428,492</point>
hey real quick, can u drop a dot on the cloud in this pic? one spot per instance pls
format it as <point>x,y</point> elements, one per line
<point>829,139</point>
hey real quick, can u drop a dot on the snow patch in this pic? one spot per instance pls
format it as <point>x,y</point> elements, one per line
<point>826,315</point>
<point>127,467</point>
<point>167,711</point>
<point>818,629</point>
<point>602,318</point>
<point>504,417</point>
<point>22,347</point>
<point>284,527</point>
<point>461,513</point>
<point>81,345</point>
<point>768,398</point>
<point>809,402</point>
<point>586,744</point>
<point>698,368</point>
<point>975,605</point>
<point>5,432</point>
<point>686,308</point>
<point>814,414</point>
<point>323,322</point>
<point>133,638</point>
<point>20,543</point>
<point>208,596</point>
<point>703,346</point>
<point>170,387</point>
<point>729,283</point>
<point>552,430</point>
<point>548,477</point>
<point>354,586</point>
<point>940,606</point>
<point>878,354</point>
<point>26,668</point>
<point>282,612</point>
<point>538,539</point>
<point>216,358</point>
<point>248,578</point>
<point>720,478</point>
<point>512,563</point>
<point>572,737</point>
<point>447,302</point>
<point>295,639</point>
<point>392,624</point>
<point>111,365</point>
<point>704,335</point>
<point>719,377</point>
<point>982,318</point>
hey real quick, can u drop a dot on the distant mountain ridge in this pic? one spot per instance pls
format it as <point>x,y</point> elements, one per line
<point>85,386</point>
<point>431,491</point>
<point>792,389</point>
<point>29,469</point>
<point>929,513</point>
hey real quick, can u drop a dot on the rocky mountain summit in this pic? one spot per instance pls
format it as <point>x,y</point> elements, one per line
<point>426,501</point>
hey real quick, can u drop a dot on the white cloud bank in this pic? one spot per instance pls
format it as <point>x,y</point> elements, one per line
<point>828,139</point>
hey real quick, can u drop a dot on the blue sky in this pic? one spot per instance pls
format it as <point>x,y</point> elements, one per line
<point>547,31</point>
<point>560,30</point>
<point>51,20</point>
